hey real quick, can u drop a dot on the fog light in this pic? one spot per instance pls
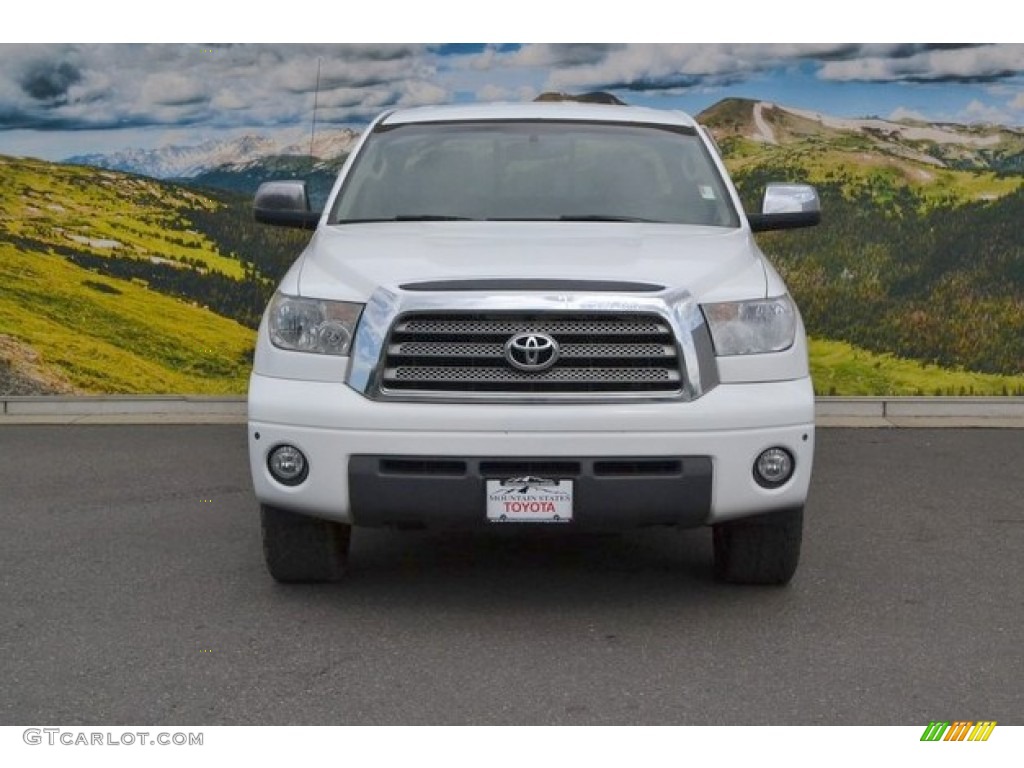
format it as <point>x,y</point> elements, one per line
<point>287,465</point>
<point>773,467</point>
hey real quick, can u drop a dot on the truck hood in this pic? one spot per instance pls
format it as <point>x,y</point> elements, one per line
<point>349,262</point>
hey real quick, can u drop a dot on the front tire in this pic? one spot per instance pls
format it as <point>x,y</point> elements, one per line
<point>759,550</point>
<point>302,549</point>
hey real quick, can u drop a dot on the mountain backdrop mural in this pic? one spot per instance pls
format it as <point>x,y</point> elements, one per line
<point>129,262</point>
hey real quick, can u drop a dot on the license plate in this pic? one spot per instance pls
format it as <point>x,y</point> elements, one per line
<point>529,500</point>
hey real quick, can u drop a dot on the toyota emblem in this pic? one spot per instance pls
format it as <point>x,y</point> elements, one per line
<point>532,352</point>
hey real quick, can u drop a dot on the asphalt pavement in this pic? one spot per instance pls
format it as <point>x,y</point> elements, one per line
<point>132,592</point>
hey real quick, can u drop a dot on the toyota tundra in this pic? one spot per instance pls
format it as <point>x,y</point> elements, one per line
<point>546,314</point>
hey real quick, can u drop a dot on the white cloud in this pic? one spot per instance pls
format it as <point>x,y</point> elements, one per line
<point>661,67</point>
<point>977,112</point>
<point>105,86</point>
<point>420,92</point>
<point>685,66</point>
<point>172,88</point>
<point>563,55</point>
<point>227,98</point>
<point>902,113</point>
<point>975,64</point>
<point>492,92</point>
<point>654,66</point>
<point>487,59</point>
<point>352,97</point>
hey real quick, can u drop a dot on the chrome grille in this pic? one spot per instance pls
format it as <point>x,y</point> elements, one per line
<point>457,354</point>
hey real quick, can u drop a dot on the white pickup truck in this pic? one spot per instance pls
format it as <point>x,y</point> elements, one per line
<point>532,314</point>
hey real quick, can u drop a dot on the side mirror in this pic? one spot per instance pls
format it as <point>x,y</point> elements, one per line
<point>284,204</point>
<point>787,206</point>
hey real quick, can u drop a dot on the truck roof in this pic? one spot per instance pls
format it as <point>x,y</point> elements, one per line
<point>559,110</point>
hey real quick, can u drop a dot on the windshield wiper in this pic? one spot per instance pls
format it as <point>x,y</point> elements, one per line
<point>429,217</point>
<point>578,217</point>
<point>443,217</point>
<point>604,217</point>
<point>404,217</point>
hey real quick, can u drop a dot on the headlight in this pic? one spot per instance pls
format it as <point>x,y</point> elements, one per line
<point>752,327</point>
<point>312,325</point>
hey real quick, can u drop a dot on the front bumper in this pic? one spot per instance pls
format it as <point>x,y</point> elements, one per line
<point>609,492</point>
<point>728,427</point>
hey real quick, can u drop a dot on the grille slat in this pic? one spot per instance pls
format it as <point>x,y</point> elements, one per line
<point>495,352</point>
<point>599,353</point>
<point>460,326</point>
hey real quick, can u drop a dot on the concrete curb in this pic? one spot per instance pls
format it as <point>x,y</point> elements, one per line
<point>58,405</point>
<point>920,412</point>
<point>903,412</point>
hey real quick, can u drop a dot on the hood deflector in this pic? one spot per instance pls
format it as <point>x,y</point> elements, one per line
<point>535,284</point>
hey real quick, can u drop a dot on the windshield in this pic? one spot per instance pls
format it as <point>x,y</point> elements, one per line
<point>534,171</point>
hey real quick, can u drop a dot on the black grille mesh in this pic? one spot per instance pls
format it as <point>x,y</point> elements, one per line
<point>623,353</point>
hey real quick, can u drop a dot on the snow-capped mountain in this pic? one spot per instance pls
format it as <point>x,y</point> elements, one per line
<point>186,162</point>
<point>328,145</point>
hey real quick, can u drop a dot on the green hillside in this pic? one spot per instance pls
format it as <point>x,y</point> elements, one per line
<point>746,127</point>
<point>889,163</point>
<point>106,214</point>
<point>920,252</point>
<point>913,284</point>
<point>68,325</point>
<point>838,368</point>
<point>104,335</point>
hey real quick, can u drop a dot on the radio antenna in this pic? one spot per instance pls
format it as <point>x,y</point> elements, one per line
<point>316,103</point>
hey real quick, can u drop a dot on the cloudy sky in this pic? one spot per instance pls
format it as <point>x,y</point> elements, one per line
<point>61,100</point>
